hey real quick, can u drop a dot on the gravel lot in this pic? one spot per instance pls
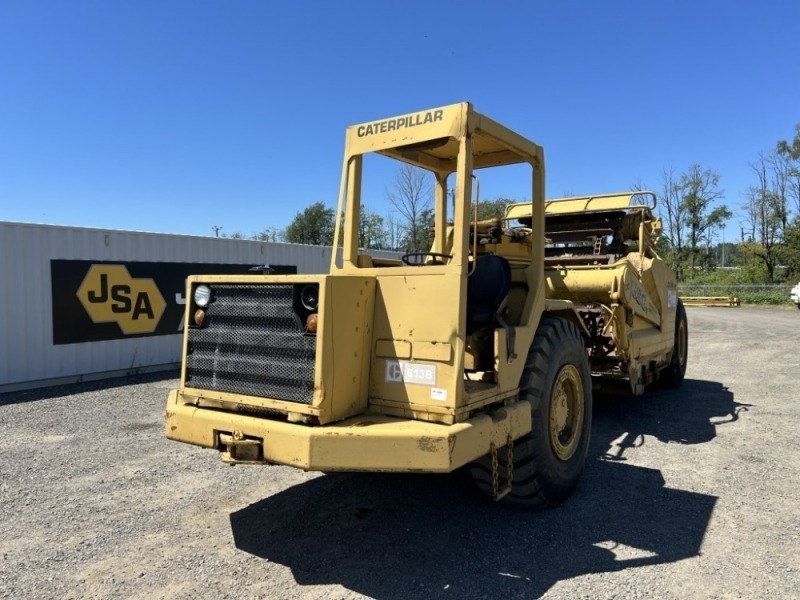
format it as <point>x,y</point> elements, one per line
<point>687,494</point>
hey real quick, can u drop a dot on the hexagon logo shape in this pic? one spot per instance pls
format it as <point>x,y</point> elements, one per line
<point>110,295</point>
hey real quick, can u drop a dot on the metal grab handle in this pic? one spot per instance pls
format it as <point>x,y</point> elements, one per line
<point>475,232</point>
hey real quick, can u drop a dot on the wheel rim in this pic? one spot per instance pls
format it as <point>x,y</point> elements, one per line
<point>682,343</point>
<point>566,412</point>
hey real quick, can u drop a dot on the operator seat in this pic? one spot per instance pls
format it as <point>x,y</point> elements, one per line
<point>487,288</point>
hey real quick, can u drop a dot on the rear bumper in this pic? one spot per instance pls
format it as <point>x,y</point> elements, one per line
<point>362,443</point>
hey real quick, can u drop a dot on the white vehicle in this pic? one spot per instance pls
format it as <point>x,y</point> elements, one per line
<point>795,293</point>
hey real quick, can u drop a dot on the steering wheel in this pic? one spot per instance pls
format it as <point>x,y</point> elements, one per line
<point>438,258</point>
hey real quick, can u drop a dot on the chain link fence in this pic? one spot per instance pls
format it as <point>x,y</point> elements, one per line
<point>747,294</point>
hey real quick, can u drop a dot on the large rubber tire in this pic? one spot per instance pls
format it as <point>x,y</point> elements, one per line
<point>549,460</point>
<point>672,376</point>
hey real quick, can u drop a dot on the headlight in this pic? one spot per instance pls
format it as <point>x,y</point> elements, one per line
<point>309,297</point>
<point>311,323</point>
<point>202,295</point>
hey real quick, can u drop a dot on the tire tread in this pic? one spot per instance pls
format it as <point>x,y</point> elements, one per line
<point>532,485</point>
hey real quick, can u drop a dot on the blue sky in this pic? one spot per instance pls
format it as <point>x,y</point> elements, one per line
<point>175,116</point>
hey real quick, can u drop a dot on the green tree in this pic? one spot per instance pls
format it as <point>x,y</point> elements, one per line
<point>790,151</point>
<point>672,211</point>
<point>699,189</point>
<point>269,234</point>
<point>426,230</point>
<point>790,253</point>
<point>791,148</point>
<point>372,234</point>
<point>685,205</point>
<point>492,209</point>
<point>314,225</point>
<point>766,212</point>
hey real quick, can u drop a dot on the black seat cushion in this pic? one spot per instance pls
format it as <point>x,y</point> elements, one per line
<point>487,287</point>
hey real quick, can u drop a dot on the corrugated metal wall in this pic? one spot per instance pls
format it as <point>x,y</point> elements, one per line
<point>28,356</point>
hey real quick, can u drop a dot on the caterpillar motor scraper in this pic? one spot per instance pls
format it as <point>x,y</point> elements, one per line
<point>483,351</point>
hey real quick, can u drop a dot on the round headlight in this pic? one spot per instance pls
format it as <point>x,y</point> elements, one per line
<point>309,297</point>
<point>202,295</point>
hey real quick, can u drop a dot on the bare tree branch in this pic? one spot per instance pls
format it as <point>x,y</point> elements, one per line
<point>411,197</point>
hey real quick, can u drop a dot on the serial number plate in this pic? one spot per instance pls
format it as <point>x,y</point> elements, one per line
<point>672,298</point>
<point>400,371</point>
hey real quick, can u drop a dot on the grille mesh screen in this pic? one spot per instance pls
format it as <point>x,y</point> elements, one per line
<point>252,343</point>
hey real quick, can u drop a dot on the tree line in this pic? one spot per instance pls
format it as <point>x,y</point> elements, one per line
<point>690,203</point>
<point>767,249</point>
<point>409,228</point>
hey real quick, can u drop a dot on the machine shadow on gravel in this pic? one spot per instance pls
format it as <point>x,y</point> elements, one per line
<point>428,536</point>
<point>689,415</point>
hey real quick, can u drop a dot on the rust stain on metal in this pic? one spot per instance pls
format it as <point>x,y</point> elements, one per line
<point>428,444</point>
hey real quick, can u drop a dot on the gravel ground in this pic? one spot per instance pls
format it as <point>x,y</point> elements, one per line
<point>687,494</point>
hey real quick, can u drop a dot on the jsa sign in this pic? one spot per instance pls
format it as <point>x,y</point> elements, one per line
<point>110,295</point>
<point>96,301</point>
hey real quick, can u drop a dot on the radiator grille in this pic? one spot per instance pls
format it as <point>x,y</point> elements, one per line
<point>252,342</point>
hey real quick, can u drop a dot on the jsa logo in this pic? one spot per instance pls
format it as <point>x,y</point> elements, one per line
<point>110,295</point>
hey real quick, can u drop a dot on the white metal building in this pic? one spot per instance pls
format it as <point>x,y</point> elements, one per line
<point>35,351</point>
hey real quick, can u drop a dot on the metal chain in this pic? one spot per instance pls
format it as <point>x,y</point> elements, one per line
<point>496,493</point>
<point>510,461</point>
<point>495,475</point>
